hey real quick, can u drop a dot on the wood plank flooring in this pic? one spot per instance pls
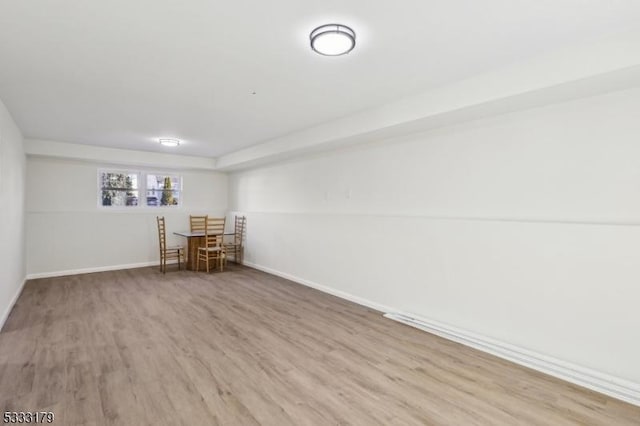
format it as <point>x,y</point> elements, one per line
<point>136,347</point>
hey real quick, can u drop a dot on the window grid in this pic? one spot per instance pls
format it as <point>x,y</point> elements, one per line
<point>131,189</point>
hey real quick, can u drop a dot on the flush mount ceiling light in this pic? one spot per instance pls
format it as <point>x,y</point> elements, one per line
<point>169,142</point>
<point>332,40</point>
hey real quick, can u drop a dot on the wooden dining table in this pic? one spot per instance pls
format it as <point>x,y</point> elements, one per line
<point>194,241</point>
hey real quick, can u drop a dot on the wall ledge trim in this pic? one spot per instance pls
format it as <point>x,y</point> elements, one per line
<point>16,296</point>
<point>606,384</point>
<point>439,217</point>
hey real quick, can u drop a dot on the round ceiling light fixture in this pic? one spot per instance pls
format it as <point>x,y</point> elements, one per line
<point>332,40</point>
<point>169,142</point>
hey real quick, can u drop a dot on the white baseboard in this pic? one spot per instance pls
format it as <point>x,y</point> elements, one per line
<point>94,269</point>
<point>5,314</point>
<point>591,379</point>
<point>600,382</point>
<point>322,288</point>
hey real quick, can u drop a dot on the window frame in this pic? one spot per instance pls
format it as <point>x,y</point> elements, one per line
<point>142,189</point>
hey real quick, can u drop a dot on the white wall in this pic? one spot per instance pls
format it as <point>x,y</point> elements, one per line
<point>67,231</point>
<point>524,227</point>
<point>12,178</point>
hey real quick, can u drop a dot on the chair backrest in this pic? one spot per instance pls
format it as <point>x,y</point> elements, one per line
<point>162,234</point>
<point>214,231</point>
<point>240,226</point>
<point>197,223</point>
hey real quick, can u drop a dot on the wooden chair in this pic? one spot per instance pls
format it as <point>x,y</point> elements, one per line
<point>173,252</point>
<point>236,247</point>
<point>213,249</point>
<point>197,223</point>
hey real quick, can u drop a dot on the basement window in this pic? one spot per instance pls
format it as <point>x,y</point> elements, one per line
<point>163,190</point>
<point>133,189</point>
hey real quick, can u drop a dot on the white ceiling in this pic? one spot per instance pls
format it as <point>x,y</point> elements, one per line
<point>123,73</point>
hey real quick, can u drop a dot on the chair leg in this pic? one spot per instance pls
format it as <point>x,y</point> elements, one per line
<point>198,263</point>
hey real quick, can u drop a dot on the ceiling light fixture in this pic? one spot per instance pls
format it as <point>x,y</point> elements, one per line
<point>169,142</point>
<point>332,40</point>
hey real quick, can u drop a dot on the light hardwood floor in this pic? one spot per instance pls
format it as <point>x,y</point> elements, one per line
<point>137,347</point>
